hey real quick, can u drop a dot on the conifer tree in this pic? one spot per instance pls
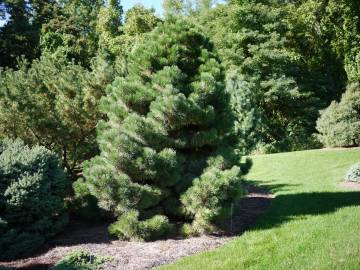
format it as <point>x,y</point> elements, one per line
<point>167,120</point>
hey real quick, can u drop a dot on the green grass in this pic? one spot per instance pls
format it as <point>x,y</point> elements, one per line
<point>312,223</point>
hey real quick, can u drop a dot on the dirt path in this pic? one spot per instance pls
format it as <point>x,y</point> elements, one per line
<point>135,255</point>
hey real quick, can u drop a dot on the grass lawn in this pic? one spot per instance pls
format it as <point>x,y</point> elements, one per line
<point>312,223</point>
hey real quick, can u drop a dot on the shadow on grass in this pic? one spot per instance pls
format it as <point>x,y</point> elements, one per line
<point>271,185</point>
<point>287,207</point>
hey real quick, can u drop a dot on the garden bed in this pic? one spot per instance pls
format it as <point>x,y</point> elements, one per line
<point>138,255</point>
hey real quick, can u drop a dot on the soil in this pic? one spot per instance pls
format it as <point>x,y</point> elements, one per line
<point>139,255</point>
<point>350,185</point>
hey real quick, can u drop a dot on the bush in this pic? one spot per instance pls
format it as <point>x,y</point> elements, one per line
<point>167,121</point>
<point>210,198</point>
<point>128,227</point>
<point>339,124</point>
<point>353,174</point>
<point>32,191</point>
<point>80,260</point>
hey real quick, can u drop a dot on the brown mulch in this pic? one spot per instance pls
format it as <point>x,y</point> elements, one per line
<point>350,185</point>
<point>138,255</point>
<point>339,148</point>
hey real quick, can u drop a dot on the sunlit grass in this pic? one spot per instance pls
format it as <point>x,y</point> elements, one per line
<point>312,222</point>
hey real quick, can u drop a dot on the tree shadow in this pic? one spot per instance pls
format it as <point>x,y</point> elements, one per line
<point>82,232</point>
<point>287,207</point>
<point>271,186</point>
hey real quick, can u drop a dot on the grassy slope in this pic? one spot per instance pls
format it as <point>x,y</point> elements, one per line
<point>312,223</point>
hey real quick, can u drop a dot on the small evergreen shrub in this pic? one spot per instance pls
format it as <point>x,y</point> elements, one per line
<point>128,227</point>
<point>353,173</point>
<point>210,197</point>
<point>339,124</point>
<point>80,260</point>
<point>32,191</point>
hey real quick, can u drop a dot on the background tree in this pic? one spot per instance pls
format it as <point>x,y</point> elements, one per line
<point>251,38</point>
<point>73,31</point>
<point>173,7</point>
<point>166,121</point>
<point>20,34</point>
<point>54,103</point>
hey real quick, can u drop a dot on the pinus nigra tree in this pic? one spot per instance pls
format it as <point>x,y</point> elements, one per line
<point>160,147</point>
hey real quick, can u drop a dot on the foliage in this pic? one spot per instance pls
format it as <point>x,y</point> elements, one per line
<point>72,31</point>
<point>128,227</point>
<point>84,204</point>
<point>248,123</point>
<point>344,22</point>
<point>20,33</point>
<point>339,124</point>
<point>32,191</point>
<point>119,39</point>
<point>210,198</point>
<point>353,173</point>
<point>252,41</point>
<point>54,103</point>
<point>80,260</point>
<point>166,120</point>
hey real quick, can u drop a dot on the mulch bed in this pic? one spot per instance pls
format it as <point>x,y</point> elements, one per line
<point>137,255</point>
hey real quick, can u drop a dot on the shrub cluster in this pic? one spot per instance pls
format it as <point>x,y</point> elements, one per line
<point>353,173</point>
<point>32,190</point>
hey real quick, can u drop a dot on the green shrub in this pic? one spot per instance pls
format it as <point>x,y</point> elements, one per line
<point>353,173</point>
<point>129,227</point>
<point>80,260</point>
<point>32,191</point>
<point>339,124</point>
<point>157,227</point>
<point>210,198</point>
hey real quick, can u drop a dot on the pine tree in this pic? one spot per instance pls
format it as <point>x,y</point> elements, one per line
<point>166,122</point>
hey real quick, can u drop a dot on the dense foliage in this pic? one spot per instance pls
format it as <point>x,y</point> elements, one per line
<point>166,122</point>
<point>53,103</point>
<point>284,91</point>
<point>32,191</point>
